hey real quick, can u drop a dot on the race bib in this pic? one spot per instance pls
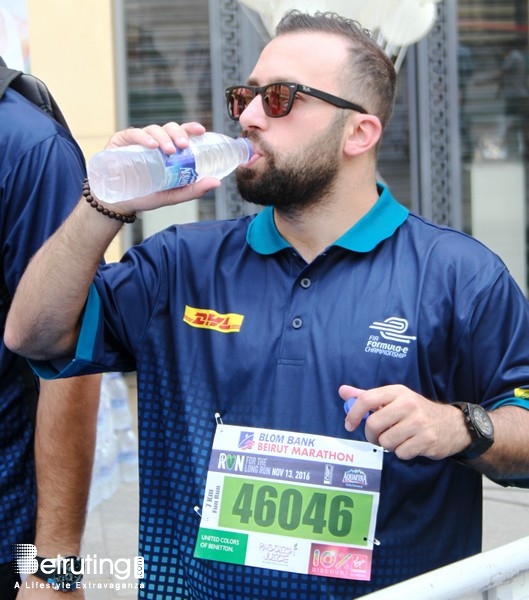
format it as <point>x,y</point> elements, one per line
<point>289,501</point>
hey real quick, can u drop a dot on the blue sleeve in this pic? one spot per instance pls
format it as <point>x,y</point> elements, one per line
<point>40,183</point>
<point>496,347</point>
<point>118,311</point>
<point>83,363</point>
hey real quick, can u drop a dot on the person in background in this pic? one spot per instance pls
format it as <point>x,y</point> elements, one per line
<point>40,171</point>
<point>337,291</point>
<point>512,82</point>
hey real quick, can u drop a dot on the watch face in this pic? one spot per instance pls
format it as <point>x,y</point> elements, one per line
<point>482,421</point>
<point>71,575</point>
<point>481,431</point>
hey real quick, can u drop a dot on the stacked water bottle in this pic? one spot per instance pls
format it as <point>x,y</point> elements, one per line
<point>116,456</point>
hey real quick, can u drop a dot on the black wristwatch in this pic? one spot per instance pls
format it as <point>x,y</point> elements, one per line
<point>481,430</point>
<point>62,573</point>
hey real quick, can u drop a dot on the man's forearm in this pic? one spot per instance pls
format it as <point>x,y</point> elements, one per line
<point>43,322</point>
<point>508,458</point>
<point>64,452</point>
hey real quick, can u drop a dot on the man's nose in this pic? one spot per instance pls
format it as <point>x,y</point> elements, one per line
<point>253,115</point>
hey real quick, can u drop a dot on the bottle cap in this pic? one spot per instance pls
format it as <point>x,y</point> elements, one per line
<point>348,404</point>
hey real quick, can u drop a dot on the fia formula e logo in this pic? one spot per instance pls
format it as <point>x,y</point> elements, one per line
<point>392,339</point>
<point>393,329</point>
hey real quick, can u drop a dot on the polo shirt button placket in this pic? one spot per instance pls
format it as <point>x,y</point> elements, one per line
<point>297,322</point>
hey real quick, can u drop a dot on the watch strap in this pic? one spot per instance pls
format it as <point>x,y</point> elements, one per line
<point>65,579</point>
<point>46,576</point>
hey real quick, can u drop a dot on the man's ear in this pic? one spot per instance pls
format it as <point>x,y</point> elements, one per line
<point>363,134</point>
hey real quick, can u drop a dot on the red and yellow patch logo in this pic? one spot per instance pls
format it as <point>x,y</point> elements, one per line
<point>205,318</point>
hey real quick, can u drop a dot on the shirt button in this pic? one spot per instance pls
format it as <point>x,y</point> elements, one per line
<point>305,282</point>
<point>297,323</point>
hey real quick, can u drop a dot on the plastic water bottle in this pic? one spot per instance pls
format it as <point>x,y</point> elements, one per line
<point>129,172</point>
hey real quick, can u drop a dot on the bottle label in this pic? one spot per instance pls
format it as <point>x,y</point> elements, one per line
<point>180,169</point>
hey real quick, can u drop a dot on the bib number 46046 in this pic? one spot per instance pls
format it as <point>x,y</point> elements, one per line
<point>290,512</point>
<point>283,509</point>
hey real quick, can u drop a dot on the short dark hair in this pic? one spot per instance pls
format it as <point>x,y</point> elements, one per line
<point>371,78</point>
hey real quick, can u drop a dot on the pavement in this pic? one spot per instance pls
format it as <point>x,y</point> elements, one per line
<point>112,533</point>
<point>112,530</point>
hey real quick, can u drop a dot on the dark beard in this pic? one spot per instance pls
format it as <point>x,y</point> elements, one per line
<point>302,182</point>
<point>288,189</point>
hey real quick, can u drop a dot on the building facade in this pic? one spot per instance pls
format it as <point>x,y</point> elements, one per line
<point>456,150</point>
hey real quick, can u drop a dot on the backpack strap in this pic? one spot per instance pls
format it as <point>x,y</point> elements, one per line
<point>7,76</point>
<point>33,89</point>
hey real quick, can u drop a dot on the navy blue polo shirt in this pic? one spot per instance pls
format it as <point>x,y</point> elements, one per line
<point>226,317</point>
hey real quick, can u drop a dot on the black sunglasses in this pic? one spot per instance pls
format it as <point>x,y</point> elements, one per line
<point>278,98</point>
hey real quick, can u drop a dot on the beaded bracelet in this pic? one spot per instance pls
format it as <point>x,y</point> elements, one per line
<point>87,193</point>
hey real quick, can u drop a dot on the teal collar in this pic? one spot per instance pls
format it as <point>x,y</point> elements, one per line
<point>380,223</point>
